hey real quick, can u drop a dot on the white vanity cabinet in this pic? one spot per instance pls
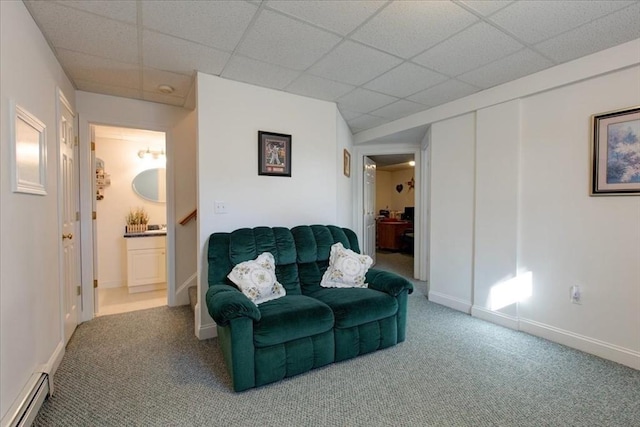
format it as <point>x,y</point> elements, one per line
<point>146,263</point>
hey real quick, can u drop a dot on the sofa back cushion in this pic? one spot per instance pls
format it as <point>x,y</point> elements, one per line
<point>313,244</point>
<point>301,254</point>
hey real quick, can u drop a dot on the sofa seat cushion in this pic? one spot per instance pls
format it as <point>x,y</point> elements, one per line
<point>289,318</point>
<point>357,306</point>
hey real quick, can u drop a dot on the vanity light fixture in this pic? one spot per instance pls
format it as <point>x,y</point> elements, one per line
<point>145,154</point>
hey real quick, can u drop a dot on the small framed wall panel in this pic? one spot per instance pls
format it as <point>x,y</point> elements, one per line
<point>28,153</point>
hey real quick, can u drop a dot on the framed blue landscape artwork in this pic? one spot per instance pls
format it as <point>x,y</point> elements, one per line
<point>615,159</point>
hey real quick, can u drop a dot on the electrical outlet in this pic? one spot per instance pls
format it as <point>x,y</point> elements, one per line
<point>219,207</point>
<point>575,294</point>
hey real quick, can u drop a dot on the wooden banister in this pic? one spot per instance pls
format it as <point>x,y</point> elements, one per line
<point>192,215</point>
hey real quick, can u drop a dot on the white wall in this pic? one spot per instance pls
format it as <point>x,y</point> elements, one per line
<point>230,114</point>
<point>452,211</point>
<point>30,311</point>
<point>345,184</point>
<point>123,164</point>
<point>521,204</point>
<point>496,209</point>
<point>111,110</point>
<point>185,201</point>
<point>387,197</point>
<point>568,238</point>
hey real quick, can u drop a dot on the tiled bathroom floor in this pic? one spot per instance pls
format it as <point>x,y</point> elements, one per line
<point>119,300</point>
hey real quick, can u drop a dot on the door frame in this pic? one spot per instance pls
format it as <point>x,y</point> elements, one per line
<point>87,193</point>
<point>360,151</point>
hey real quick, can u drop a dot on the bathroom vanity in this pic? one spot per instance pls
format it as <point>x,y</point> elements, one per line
<point>146,261</point>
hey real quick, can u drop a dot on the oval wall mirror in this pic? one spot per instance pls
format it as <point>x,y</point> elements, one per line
<point>150,184</point>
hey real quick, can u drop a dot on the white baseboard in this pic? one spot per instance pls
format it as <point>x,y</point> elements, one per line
<point>112,284</point>
<point>206,332</point>
<point>599,348</point>
<point>496,317</point>
<point>451,302</point>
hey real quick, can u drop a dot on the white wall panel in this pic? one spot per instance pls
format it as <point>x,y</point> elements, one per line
<point>452,211</point>
<point>496,205</point>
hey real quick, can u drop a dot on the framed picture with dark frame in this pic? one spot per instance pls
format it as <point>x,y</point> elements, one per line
<point>274,154</point>
<point>615,153</point>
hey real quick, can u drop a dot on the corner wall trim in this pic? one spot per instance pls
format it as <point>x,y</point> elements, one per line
<point>496,317</point>
<point>599,348</point>
<point>451,302</point>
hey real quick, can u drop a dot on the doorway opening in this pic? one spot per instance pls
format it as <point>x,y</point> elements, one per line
<point>130,256</point>
<point>394,210</point>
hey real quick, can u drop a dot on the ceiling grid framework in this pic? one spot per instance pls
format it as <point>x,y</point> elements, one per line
<point>377,60</point>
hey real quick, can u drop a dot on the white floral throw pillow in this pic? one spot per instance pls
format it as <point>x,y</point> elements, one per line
<point>257,279</point>
<point>346,268</point>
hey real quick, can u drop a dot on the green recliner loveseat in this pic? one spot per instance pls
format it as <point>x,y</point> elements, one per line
<point>311,326</point>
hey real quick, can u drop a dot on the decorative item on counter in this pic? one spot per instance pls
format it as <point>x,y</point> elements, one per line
<point>102,179</point>
<point>137,220</point>
<point>411,183</point>
<point>399,188</point>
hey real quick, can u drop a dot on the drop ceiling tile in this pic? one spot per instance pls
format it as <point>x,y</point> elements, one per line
<point>124,92</point>
<point>398,110</point>
<point>163,98</point>
<point>475,46</point>
<point>364,101</point>
<point>283,41</point>
<point>152,78</point>
<point>504,70</point>
<point>487,7</point>
<point>81,66</point>
<point>317,87</point>
<point>423,24</point>
<point>219,24</point>
<point>353,63</point>
<point>258,73</point>
<point>181,56</point>
<point>534,21</point>
<point>348,115</point>
<point>365,122</point>
<point>405,80</point>
<point>125,11</point>
<point>73,29</point>
<point>603,33</point>
<point>339,16</point>
<point>443,93</point>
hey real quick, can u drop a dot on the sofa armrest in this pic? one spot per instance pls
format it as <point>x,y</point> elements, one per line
<point>226,303</point>
<point>388,282</point>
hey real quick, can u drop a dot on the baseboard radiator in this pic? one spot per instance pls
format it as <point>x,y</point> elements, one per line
<point>26,410</point>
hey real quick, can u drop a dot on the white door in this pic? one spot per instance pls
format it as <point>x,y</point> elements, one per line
<point>69,211</point>
<point>369,208</point>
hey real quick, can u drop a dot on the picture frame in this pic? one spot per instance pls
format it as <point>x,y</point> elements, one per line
<point>274,154</point>
<point>346,166</point>
<point>615,153</point>
<point>28,152</point>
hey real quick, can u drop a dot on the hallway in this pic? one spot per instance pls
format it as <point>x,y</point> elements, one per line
<point>401,264</point>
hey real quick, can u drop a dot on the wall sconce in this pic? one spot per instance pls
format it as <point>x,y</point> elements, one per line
<point>146,154</point>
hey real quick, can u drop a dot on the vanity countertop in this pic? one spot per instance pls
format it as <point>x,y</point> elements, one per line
<point>148,233</point>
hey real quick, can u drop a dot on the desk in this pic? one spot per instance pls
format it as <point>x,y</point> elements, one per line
<point>390,232</point>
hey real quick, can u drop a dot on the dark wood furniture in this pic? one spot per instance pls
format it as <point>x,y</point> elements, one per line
<point>390,233</point>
